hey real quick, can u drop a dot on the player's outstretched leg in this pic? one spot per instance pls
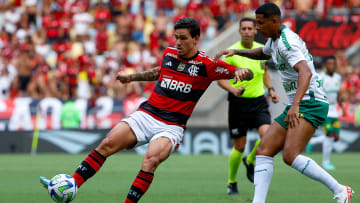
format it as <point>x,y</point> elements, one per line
<point>296,139</point>
<point>88,167</point>
<point>120,137</point>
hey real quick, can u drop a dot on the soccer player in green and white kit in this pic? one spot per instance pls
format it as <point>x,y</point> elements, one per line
<point>331,126</point>
<point>248,107</point>
<point>307,109</point>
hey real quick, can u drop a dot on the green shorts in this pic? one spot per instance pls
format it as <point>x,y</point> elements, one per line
<point>331,125</point>
<point>313,111</point>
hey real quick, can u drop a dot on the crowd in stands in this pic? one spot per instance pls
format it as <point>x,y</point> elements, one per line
<point>349,93</point>
<point>74,48</point>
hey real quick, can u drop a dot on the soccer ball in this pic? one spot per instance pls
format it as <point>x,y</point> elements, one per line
<point>62,188</point>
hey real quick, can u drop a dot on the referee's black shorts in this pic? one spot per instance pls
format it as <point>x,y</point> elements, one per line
<point>247,113</point>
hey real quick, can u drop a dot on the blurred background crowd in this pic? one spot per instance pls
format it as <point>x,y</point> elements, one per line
<point>72,49</point>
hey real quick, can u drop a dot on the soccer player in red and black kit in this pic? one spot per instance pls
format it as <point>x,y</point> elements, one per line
<point>183,76</point>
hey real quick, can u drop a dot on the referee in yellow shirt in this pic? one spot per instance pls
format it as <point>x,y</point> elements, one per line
<point>248,107</point>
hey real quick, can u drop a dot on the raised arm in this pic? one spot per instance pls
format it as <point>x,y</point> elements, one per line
<point>250,53</point>
<point>148,75</point>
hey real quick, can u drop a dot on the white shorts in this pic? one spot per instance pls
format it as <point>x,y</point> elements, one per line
<point>147,128</point>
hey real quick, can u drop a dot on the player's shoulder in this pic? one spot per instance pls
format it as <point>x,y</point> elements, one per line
<point>288,39</point>
<point>204,57</point>
<point>170,49</point>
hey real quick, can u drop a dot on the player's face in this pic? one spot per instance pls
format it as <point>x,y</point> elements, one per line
<point>264,25</point>
<point>247,31</point>
<point>185,44</point>
<point>330,66</point>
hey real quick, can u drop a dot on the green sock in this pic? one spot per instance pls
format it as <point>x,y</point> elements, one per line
<point>234,162</point>
<point>251,157</point>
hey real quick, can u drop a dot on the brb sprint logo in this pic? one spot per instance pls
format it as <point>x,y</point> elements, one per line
<point>176,85</point>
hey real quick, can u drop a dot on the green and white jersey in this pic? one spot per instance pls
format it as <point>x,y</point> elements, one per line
<point>287,51</point>
<point>331,87</point>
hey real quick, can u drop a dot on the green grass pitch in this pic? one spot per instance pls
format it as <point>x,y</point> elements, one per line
<point>182,179</point>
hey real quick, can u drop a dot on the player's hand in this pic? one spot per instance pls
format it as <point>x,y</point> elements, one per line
<point>274,97</point>
<point>241,74</point>
<point>292,117</point>
<point>237,92</point>
<point>226,53</point>
<point>123,77</point>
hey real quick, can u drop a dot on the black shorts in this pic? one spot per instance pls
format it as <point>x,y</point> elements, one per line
<point>247,113</point>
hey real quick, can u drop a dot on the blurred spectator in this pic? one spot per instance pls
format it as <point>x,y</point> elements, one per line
<point>7,74</point>
<point>82,21</point>
<point>12,17</point>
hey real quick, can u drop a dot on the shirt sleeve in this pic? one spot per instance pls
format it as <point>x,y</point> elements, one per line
<point>220,70</point>
<point>266,48</point>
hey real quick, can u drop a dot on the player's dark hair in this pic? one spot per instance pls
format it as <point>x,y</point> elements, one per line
<point>189,23</point>
<point>247,19</point>
<point>326,58</point>
<point>268,10</point>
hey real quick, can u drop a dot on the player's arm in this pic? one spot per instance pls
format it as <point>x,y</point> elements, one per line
<point>148,75</point>
<point>304,77</point>
<point>268,84</point>
<point>257,53</point>
<point>235,91</point>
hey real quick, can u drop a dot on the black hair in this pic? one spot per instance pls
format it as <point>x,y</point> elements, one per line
<point>247,19</point>
<point>326,58</point>
<point>189,23</point>
<point>268,10</point>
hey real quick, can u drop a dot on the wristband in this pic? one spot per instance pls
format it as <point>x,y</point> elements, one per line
<point>271,88</point>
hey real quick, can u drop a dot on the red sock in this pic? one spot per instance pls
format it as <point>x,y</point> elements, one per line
<point>140,185</point>
<point>88,167</point>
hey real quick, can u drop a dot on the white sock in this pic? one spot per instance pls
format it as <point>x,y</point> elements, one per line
<point>262,177</point>
<point>327,149</point>
<point>311,169</point>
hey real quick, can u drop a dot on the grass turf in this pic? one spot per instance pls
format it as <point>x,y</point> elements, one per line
<point>185,179</point>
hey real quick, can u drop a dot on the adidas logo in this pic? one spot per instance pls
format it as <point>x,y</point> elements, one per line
<point>169,63</point>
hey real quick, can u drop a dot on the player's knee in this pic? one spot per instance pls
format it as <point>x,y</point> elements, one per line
<point>150,163</point>
<point>289,157</point>
<point>106,147</point>
<point>239,147</point>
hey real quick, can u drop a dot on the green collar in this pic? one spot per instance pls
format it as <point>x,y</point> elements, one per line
<point>282,28</point>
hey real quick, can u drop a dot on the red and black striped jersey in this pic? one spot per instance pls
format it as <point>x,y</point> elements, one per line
<point>181,84</point>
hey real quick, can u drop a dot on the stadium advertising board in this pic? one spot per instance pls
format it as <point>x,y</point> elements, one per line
<point>325,37</point>
<point>103,113</point>
<point>196,141</point>
<point>20,113</point>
